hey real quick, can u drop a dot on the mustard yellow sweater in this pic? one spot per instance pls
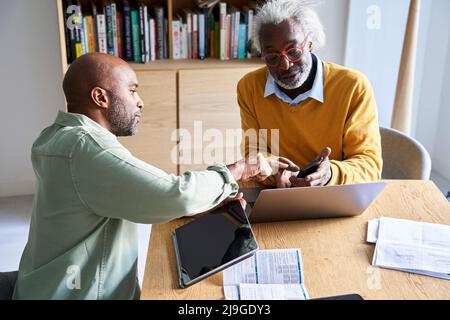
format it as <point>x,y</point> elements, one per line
<point>347,122</point>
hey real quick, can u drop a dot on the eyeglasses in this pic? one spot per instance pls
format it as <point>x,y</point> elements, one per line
<point>293,55</point>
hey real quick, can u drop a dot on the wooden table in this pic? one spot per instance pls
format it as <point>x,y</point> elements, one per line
<point>336,257</point>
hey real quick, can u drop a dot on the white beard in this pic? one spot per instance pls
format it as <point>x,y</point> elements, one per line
<point>304,74</point>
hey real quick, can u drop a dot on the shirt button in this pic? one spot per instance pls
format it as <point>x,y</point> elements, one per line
<point>292,109</point>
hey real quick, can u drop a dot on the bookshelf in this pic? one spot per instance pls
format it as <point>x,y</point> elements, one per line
<point>177,93</point>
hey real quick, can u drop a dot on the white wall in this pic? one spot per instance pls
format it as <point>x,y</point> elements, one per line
<point>334,16</point>
<point>30,86</point>
<point>376,50</point>
<point>377,53</point>
<point>433,110</point>
<point>441,154</point>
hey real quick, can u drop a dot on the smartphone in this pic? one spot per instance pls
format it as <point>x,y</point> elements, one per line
<point>310,168</point>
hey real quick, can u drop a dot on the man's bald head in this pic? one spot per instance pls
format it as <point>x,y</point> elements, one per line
<point>90,71</point>
<point>103,88</point>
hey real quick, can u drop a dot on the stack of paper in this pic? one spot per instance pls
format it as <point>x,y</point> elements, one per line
<point>268,275</point>
<point>411,246</point>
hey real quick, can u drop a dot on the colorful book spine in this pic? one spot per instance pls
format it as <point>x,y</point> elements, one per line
<point>94,26</point>
<point>201,36</point>
<point>228,38</point>
<point>160,33</point>
<point>205,12</point>
<point>165,39</point>
<point>109,29</point>
<point>212,48</point>
<point>217,39</point>
<point>188,18</point>
<point>176,39</point>
<point>135,35</point>
<point>184,42</point>
<point>114,29</point>
<point>194,36</point>
<point>84,43</point>
<point>142,33</point>
<point>242,44</point>
<point>78,32</point>
<point>127,32</point>
<point>237,19</point>
<point>250,29</point>
<point>119,34</point>
<point>146,35</point>
<point>101,31</point>
<point>70,36</point>
<point>231,41</point>
<point>152,27</point>
<point>90,33</point>
<point>223,30</point>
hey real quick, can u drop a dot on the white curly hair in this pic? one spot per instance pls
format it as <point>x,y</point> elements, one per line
<point>277,11</point>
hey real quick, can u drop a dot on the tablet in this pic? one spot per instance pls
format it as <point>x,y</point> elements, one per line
<point>212,243</point>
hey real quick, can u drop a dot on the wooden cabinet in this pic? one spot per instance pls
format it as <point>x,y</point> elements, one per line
<point>209,117</point>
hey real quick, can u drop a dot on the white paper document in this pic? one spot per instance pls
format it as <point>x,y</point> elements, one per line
<point>411,246</point>
<point>250,291</point>
<point>268,275</point>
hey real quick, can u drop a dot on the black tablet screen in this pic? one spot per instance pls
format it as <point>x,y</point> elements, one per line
<point>210,242</point>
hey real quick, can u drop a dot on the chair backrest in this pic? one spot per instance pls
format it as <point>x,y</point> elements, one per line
<point>7,283</point>
<point>403,156</point>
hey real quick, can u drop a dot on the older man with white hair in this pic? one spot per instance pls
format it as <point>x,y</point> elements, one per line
<point>323,111</point>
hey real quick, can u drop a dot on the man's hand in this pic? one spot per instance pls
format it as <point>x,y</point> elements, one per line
<point>239,197</point>
<point>257,168</point>
<point>283,175</point>
<point>318,178</point>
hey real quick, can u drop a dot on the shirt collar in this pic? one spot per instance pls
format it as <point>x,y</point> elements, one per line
<point>70,119</point>
<point>315,93</point>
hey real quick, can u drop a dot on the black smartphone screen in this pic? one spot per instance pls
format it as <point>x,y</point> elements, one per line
<point>310,168</point>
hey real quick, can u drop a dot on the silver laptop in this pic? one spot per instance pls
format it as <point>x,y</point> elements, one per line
<point>271,205</point>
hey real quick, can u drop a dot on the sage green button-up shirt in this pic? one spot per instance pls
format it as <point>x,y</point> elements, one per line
<point>90,192</point>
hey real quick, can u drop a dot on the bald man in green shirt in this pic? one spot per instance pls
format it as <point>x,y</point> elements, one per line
<point>91,190</point>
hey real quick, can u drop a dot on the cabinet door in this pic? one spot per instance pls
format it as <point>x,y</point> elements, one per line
<point>209,117</point>
<point>153,143</point>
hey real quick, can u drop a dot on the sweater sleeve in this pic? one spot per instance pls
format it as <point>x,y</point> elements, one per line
<point>361,156</point>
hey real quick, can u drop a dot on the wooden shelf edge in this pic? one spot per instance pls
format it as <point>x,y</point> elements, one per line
<point>209,63</point>
<point>174,65</point>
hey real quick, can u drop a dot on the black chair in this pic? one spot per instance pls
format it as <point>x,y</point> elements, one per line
<point>7,283</point>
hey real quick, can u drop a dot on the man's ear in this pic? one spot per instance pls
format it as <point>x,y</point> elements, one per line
<point>100,97</point>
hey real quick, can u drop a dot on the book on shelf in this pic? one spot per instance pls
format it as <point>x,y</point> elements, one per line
<point>176,39</point>
<point>152,35</point>
<point>135,36</point>
<point>101,33</point>
<point>127,31</point>
<point>109,29</point>
<point>94,26</point>
<point>138,31</point>
<point>160,26</point>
